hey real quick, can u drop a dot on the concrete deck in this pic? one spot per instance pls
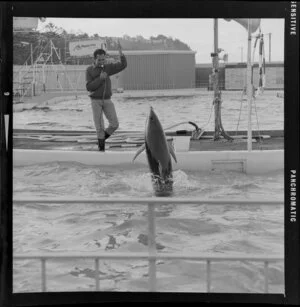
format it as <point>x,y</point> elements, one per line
<point>87,141</point>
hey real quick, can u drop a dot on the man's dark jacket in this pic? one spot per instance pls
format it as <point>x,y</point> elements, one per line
<point>102,88</point>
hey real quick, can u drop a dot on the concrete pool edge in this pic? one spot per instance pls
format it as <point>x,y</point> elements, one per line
<point>254,162</point>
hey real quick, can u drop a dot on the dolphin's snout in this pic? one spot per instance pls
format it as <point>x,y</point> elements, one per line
<point>151,114</point>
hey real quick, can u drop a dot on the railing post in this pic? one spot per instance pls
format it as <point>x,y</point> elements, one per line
<point>97,274</point>
<point>266,277</point>
<point>43,274</point>
<point>208,275</point>
<point>151,247</point>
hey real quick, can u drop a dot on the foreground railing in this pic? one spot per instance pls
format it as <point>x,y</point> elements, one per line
<point>152,256</point>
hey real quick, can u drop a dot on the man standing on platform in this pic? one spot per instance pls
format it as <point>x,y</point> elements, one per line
<point>98,84</point>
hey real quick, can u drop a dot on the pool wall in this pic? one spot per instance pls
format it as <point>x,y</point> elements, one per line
<point>254,162</point>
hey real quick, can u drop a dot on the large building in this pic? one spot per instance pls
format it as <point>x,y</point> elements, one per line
<point>153,69</point>
<point>203,73</point>
<point>149,70</point>
<point>158,69</point>
<point>236,74</point>
<point>232,76</point>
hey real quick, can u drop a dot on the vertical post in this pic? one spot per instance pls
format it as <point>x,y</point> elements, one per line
<point>266,277</point>
<point>216,87</point>
<point>44,78</point>
<point>208,275</point>
<point>216,59</point>
<point>31,67</point>
<point>20,87</point>
<point>249,88</point>
<point>51,51</point>
<point>31,54</point>
<point>216,77</point>
<point>151,247</point>
<point>270,47</point>
<point>65,49</point>
<point>241,54</point>
<point>97,274</point>
<point>43,274</point>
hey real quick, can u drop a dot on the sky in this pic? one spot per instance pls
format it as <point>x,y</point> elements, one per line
<point>196,33</point>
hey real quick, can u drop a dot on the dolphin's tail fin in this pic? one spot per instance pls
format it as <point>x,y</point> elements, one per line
<point>140,150</point>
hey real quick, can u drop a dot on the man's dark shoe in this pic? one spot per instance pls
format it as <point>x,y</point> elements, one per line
<point>101,144</point>
<point>107,135</point>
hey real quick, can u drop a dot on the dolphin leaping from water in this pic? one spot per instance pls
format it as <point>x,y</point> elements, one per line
<point>159,153</point>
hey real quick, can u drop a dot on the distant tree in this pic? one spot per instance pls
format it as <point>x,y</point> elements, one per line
<point>60,37</point>
<point>50,27</point>
<point>82,36</point>
<point>160,36</point>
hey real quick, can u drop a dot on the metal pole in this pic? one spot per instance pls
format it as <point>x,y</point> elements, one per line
<point>31,54</point>
<point>65,49</point>
<point>216,76</point>
<point>266,277</point>
<point>208,275</point>
<point>97,274</point>
<point>44,289</point>
<point>44,78</point>
<point>270,47</point>
<point>151,247</point>
<point>249,88</point>
<point>31,67</point>
<point>241,54</point>
<point>216,58</point>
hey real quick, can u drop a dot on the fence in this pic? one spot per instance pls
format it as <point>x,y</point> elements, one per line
<point>152,254</point>
<point>54,78</point>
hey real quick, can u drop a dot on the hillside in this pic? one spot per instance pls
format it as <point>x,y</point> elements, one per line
<point>25,41</point>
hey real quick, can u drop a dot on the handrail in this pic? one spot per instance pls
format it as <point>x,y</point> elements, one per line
<point>152,263</point>
<point>149,200</point>
<point>152,256</point>
<point>145,256</point>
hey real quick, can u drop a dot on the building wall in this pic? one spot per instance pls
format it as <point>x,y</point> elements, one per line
<point>159,70</point>
<point>145,70</point>
<point>235,76</point>
<point>56,77</point>
<point>202,75</point>
<point>165,70</point>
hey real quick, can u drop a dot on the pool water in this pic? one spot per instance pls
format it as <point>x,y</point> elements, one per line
<point>221,230</point>
<point>267,112</point>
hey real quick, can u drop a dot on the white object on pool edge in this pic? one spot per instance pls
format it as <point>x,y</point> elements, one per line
<point>181,143</point>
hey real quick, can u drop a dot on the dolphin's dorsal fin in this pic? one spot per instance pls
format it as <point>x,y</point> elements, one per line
<point>172,152</point>
<point>140,150</point>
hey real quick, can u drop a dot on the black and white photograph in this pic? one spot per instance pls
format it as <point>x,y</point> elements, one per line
<point>148,154</point>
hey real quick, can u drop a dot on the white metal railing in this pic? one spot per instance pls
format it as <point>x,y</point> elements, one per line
<point>152,256</point>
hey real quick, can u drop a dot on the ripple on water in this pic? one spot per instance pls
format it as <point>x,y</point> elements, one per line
<point>123,228</point>
<point>132,111</point>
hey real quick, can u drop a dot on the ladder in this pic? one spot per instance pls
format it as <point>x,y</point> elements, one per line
<point>28,75</point>
<point>24,85</point>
